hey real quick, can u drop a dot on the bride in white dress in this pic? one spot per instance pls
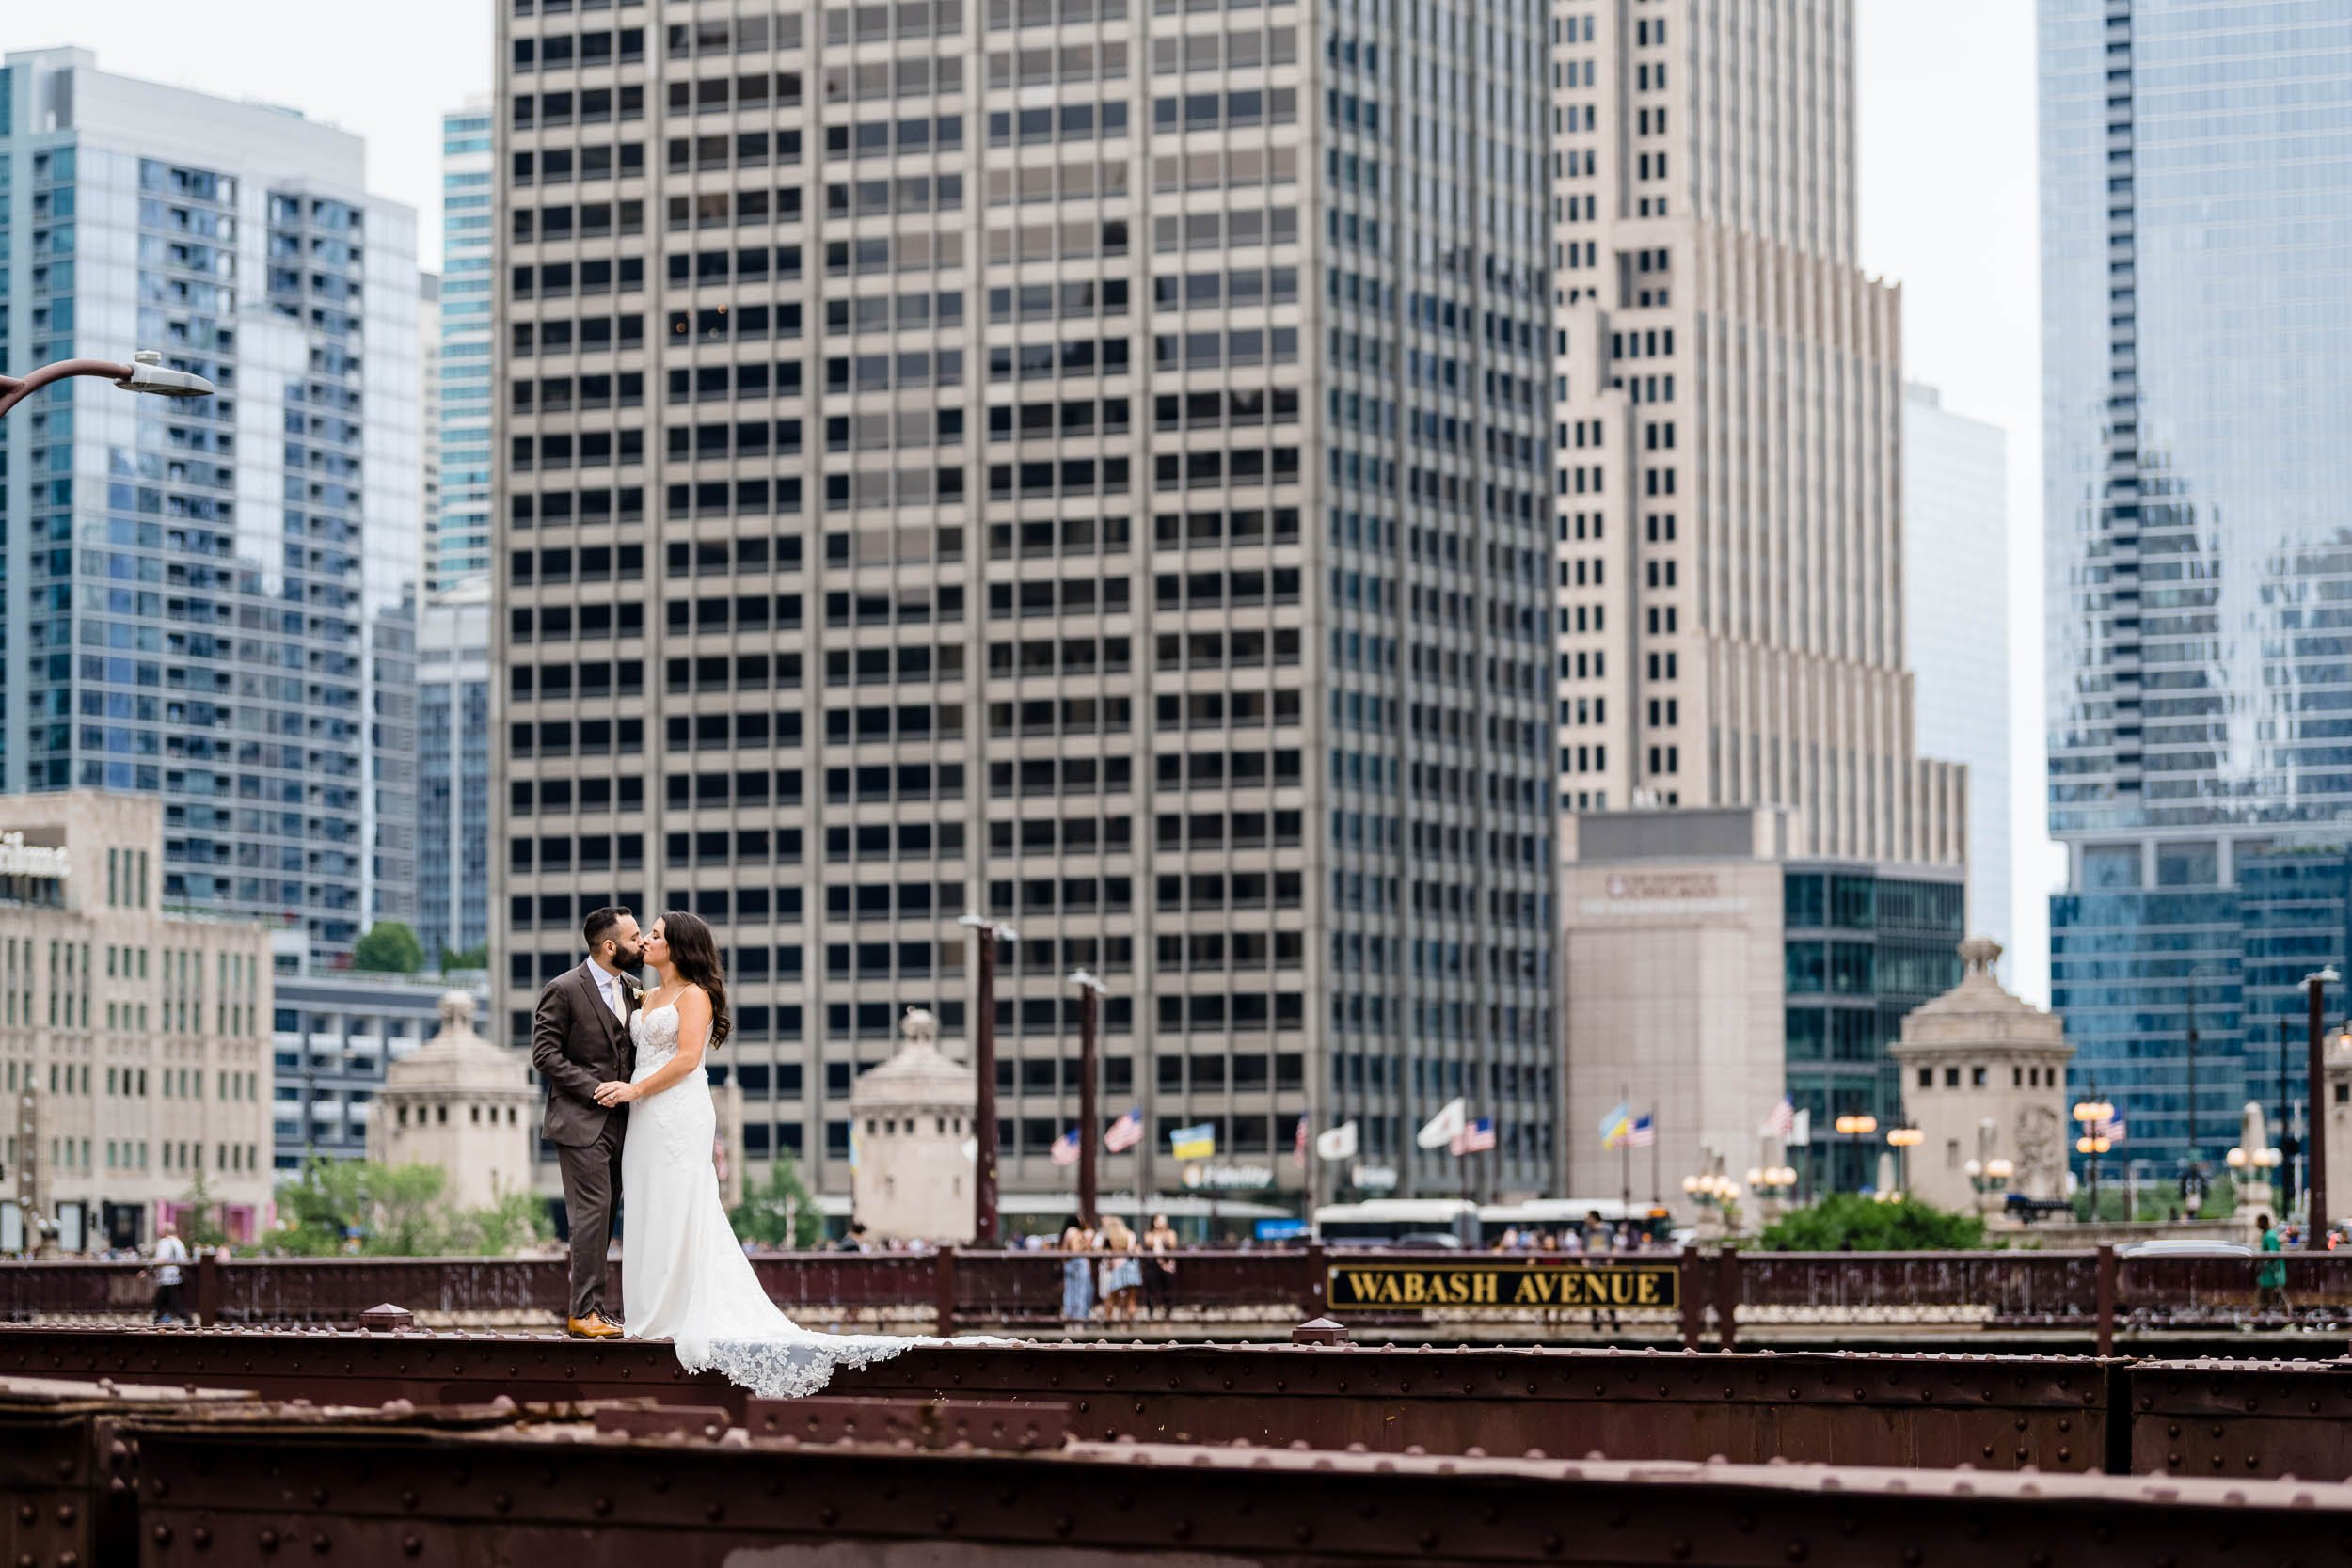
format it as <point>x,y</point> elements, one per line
<point>683,1272</point>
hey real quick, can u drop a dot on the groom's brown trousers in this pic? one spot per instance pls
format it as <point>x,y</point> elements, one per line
<point>591,1181</point>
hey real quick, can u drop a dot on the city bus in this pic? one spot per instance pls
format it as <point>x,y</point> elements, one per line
<point>1451,1222</point>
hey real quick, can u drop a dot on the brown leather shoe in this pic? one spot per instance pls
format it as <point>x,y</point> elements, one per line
<point>593,1326</point>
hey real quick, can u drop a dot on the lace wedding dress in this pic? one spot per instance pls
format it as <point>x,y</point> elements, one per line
<point>683,1272</point>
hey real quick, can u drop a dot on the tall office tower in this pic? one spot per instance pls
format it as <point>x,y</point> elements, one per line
<point>2197,380</point>
<point>1074,461</point>
<point>208,599</point>
<point>457,536</point>
<point>453,772</point>
<point>429,413</point>
<point>1730,547</point>
<point>1956,626</point>
<point>1730,641</point>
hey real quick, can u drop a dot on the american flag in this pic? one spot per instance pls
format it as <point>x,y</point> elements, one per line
<point>1475,1138</point>
<point>1643,1134</point>
<point>1065,1150</point>
<point>2113,1130</point>
<point>1782,1120</point>
<point>1125,1133</point>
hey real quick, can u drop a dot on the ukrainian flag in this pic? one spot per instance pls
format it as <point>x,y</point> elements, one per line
<point>1616,1126</point>
<point>1194,1142</point>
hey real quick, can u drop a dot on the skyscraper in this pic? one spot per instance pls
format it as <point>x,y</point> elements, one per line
<point>1082,463</point>
<point>1729,488</point>
<point>210,600</point>
<point>1763,866</point>
<point>457,536</point>
<point>428,410</point>
<point>454,771</point>
<point>1956,626</point>
<point>2197,376</point>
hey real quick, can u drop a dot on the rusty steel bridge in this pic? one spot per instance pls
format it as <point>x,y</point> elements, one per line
<point>304,1423</point>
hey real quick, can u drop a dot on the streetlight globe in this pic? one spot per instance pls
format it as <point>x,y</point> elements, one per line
<point>1756,1176</point>
<point>1690,1184</point>
<point>2236,1159</point>
<point>2000,1171</point>
<point>1973,1168</point>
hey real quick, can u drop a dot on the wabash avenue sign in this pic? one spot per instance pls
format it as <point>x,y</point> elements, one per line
<point>1501,1286</point>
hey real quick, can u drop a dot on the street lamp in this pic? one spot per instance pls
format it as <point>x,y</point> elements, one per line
<point>984,1227</point>
<point>1090,993</point>
<point>2095,1114</point>
<point>1902,1140</point>
<point>2315,1135</point>
<point>1853,1125</point>
<point>146,373</point>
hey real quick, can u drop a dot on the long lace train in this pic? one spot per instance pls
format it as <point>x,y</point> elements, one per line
<point>683,1272</point>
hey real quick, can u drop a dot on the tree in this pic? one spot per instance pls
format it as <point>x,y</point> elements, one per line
<point>515,1221</point>
<point>1848,1221</point>
<point>476,956</point>
<point>337,1206</point>
<point>388,948</point>
<point>779,1211</point>
<point>203,1228</point>
<point>388,1210</point>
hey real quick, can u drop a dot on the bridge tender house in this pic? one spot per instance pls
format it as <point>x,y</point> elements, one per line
<point>1502,1287</point>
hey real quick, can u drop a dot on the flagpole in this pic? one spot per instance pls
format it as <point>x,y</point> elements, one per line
<point>1624,1157</point>
<point>1653,1157</point>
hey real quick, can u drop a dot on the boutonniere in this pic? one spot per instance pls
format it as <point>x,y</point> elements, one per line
<point>636,991</point>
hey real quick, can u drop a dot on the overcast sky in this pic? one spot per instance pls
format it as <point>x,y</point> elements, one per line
<point>1946,198</point>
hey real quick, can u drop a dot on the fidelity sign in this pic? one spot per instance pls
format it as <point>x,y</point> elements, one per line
<point>20,859</point>
<point>1501,1285</point>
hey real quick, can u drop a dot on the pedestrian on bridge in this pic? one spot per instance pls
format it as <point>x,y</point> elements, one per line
<point>2270,1274</point>
<point>171,1252</point>
<point>1159,1268</point>
<point>1077,1275</point>
<point>1122,1271</point>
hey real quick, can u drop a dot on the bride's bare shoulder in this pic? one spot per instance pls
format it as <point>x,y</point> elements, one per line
<point>694,999</point>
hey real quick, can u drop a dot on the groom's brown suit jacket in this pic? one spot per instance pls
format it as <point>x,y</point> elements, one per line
<point>577,1043</point>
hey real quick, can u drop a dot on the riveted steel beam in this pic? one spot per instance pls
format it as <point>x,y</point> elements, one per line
<point>540,1491</point>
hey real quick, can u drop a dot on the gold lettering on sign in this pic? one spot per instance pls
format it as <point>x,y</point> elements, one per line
<point>1502,1285</point>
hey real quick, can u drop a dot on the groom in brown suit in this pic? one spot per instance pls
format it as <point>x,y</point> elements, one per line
<point>579,1040</point>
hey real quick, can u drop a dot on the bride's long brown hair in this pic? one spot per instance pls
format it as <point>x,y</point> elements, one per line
<point>695,957</point>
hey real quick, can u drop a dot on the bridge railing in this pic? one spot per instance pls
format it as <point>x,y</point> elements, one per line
<point>964,1288</point>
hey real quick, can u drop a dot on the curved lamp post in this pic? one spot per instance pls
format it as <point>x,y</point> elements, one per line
<point>146,373</point>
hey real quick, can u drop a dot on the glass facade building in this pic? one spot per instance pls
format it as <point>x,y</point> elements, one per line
<point>210,600</point>
<point>1863,949</point>
<point>457,531</point>
<point>454,774</point>
<point>2197,374</point>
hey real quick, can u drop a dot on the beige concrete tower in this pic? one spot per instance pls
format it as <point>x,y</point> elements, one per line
<point>463,1104</point>
<point>1984,1080</point>
<point>914,1116</point>
<point>1730,385</point>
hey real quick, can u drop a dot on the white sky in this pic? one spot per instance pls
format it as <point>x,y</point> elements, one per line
<point>1947,206</point>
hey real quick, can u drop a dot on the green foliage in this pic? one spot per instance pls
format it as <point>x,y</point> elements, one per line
<point>396,1211</point>
<point>2157,1201</point>
<point>388,948</point>
<point>779,1211</point>
<point>1848,1221</point>
<point>515,1221</point>
<point>476,956</point>
<point>203,1228</point>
